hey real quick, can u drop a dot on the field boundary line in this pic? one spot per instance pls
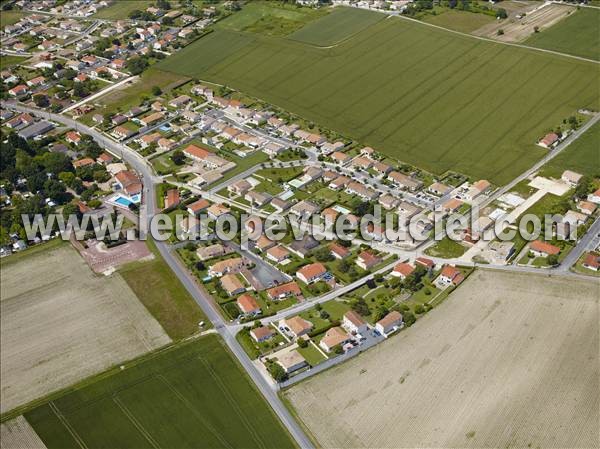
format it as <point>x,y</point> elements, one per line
<point>511,44</point>
<point>191,408</point>
<point>135,422</point>
<point>233,403</point>
<point>67,424</point>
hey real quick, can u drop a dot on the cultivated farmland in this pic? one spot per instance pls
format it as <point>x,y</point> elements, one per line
<point>190,396</point>
<point>338,25</point>
<point>509,360</point>
<point>422,95</point>
<point>577,35</point>
<point>61,323</point>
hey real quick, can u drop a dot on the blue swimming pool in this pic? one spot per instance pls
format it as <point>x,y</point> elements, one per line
<point>125,201</point>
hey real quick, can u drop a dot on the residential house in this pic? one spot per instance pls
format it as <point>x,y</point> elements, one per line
<point>367,260</point>
<point>248,305</point>
<point>362,162</point>
<point>452,205</point>
<point>594,197</point>
<point>402,270</point>
<point>354,323</point>
<point>338,251</point>
<point>291,361</point>
<point>437,188</point>
<point>261,334</point>
<point>37,81</point>
<point>198,206</point>
<point>303,247</point>
<point>83,162</point>
<point>73,137</point>
<point>228,266</point>
<point>284,291</point>
<point>404,181</point>
<point>304,209</point>
<point>105,158</point>
<point>172,198</point>
<point>240,187</point>
<point>256,198</point>
<point>477,189</point>
<point>449,276</point>
<point>278,254</point>
<point>216,210</point>
<point>19,90</point>
<point>312,272</point>
<point>388,201</point>
<point>543,249</point>
<point>180,101</point>
<point>381,168</point>
<point>550,140</point>
<point>148,139</point>
<point>592,261</point>
<point>586,207</point>
<point>335,336</point>
<point>296,326</point>
<point>129,182</point>
<point>152,119</point>
<point>121,133</point>
<point>339,183</point>
<point>264,243</point>
<point>212,251</point>
<point>389,323</point>
<point>232,285</point>
<point>359,189</point>
<point>425,262</point>
<point>572,178</point>
<point>340,158</point>
<point>166,144</point>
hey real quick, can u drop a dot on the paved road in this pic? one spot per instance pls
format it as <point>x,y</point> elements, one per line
<point>587,243</point>
<point>204,300</point>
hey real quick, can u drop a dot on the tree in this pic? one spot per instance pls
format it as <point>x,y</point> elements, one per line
<point>500,32</point>
<point>137,65</point>
<point>302,343</point>
<point>338,350</point>
<point>324,315</point>
<point>360,307</point>
<point>323,254</point>
<point>41,100</point>
<point>552,260</point>
<point>536,29</point>
<point>156,91</point>
<point>178,157</point>
<point>419,309</point>
<point>408,318</point>
<point>501,13</point>
<point>277,372</point>
<point>583,188</point>
<point>167,20</point>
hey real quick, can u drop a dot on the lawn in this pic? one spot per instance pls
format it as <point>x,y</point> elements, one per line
<point>577,35</point>
<point>432,98</point>
<point>164,296</point>
<point>581,156</point>
<point>10,18</point>
<point>242,164</point>
<point>446,248</point>
<point>121,100</point>
<point>312,355</point>
<point>337,26</point>
<point>121,9</point>
<point>9,60</point>
<point>270,18</point>
<point>192,395</point>
<point>462,21</point>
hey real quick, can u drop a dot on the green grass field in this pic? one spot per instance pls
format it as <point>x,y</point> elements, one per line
<point>121,9</point>
<point>338,25</point>
<point>425,96</point>
<point>576,35</point>
<point>10,17</point>
<point>157,287</point>
<point>463,21</point>
<point>582,156</point>
<point>191,396</point>
<point>270,18</point>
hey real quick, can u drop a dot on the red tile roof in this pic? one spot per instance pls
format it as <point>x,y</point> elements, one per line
<point>544,247</point>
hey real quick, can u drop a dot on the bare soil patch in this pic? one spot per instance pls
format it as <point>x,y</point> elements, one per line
<point>517,30</point>
<point>61,323</point>
<point>509,360</point>
<point>102,259</point>
<point>18,434</point>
